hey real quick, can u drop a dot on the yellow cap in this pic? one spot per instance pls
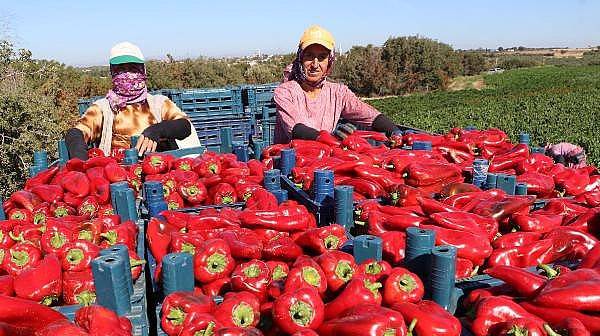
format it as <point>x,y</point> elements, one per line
<point>316,34</point>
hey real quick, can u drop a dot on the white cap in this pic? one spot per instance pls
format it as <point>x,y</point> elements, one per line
<point>126,52</point>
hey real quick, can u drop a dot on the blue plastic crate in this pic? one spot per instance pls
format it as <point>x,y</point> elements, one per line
<point>257,96</point>
<point>324,212</point>
<point>265,131</point>
<point>207,102</point>
<point>138,314</point>
<point>209,130</point>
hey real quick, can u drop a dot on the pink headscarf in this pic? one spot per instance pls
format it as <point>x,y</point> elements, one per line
<point>129,87</point>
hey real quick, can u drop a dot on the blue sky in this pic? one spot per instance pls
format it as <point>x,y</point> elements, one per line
<point>82,32</point>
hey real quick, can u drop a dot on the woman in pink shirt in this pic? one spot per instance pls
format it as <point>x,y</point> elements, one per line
<point>307,103</point>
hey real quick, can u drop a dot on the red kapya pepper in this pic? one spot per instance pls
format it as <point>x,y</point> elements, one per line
<point>360,290</point>
<point>306,273</point>
<point>20,257</point>
<point>28,316</point>
<point>557,316</point>
<point>537,184</point>
<point>115,173</point>
<point>42,282</point>
<point>494,310</point>
<point>466,221</point>
<point>125,234</point>
<point>254,277</point>
<point>183,164</point>
<point>208,166</point>
<point>241,309</point>
<point>48,192</point>
<point>90,230</point>
<point>100,187</point>
<point>569,326</point>
<point>199,324</point>
<point>394,244</point>
<point>515,239</point>
<point>518,326</point>
<point>244,243</point>
<point>278,271</point>
<point>174,201</point>
<point>78,288</point>
<point>423,174</point>
<point>7,285</point>
<point>536,162</point>
<point>156,164</point>
<point>182,177</point>
<point>402,286</point>
<point>54,239</point>
<point>186,242</point>
<point>88,207</point>
<point>178,305</point>
<point>6,227</point>
<point>465,268</point>
<point>288,217</point>
<point>339,268</point>
<point>299,309</point>
<point>41,213</point>
<point>21,215</point>
<point>535,222</point>
<point>95,172</point>
<point>366,187</point>
<point>217,287</point>
<point>362,323</point>
<point>523,282</point>
<point>571,181</point>
<point>101,161</point>
<point>428,318</point>
<point>323,239</point>
<point>213,261</point>
<point>76,183</point>
<point>509,159</point>
<point>577,290</point>
<point>281,248</point>
<point>383,177</point>
<point>223,193</point>
<point>25,199</point>
<point>77,256</point>
<point>193,192</point>
<point>472,246</point>
<point>377,270</point>
<point>43,177</point>
<point>97,320</point>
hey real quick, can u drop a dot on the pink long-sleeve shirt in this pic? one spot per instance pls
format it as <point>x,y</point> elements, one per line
<point>335,101</point>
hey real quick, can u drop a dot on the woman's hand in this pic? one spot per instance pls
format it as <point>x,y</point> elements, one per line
<point>145,145</point>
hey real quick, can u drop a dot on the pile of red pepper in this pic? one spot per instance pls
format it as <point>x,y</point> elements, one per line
<point>210,179</point>
<point>271,263</point>
<point>558,302</point>
<point>57,225</point>
<point>376,171</point>
<point>26,318</point>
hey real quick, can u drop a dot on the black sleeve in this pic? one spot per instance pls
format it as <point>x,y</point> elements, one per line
<point>384,124</point>
<point>301,131</point>
<point>76,144</point>
<point>169,129</point>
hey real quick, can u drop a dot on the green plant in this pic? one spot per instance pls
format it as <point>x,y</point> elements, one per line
<point>552,104</point>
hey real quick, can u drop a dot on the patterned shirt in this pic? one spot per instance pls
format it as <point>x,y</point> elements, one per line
<point>131,120</point>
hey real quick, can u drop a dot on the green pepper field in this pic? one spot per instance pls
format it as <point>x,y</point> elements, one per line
<point>550,103</point>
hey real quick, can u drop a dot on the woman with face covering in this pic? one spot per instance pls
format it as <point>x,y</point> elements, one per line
<point>128,109</point>
<point>308,103</point>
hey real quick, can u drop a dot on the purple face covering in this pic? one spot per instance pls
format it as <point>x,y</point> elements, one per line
<point>299,75</point>
<point>129,86</point>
